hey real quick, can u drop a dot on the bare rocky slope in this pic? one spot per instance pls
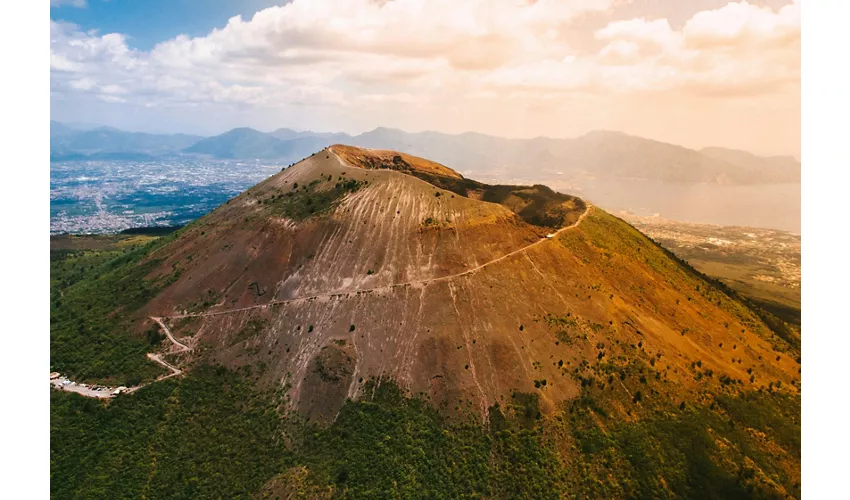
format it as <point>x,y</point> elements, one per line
<point>353,265</point>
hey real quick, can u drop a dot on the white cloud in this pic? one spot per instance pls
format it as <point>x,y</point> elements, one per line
<point>83,84</point>
<point>739,48</point>
<point>319,51</point>
<point>743,23</point>
<point>111,98</point>
<point>113,89</point>
<point>360,53</point>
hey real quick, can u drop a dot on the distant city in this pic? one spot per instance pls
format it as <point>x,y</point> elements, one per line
<point>95,197</point>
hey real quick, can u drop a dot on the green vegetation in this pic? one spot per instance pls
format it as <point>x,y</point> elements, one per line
<point>318,197</point>
<point>687,451</point>
<point>211,434</point>
<point>398,447</point>
<point>208,435</point>
<point>93,294</point>
<point>104,242</point>
<point>790,314</point>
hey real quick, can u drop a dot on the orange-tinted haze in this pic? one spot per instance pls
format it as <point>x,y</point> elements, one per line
<point>696,73</point>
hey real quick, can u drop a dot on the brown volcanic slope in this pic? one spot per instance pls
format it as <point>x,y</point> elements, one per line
<point>347,267</point>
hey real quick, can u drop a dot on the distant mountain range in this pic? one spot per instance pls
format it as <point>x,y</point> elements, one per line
<point>282,144</point>
<point>67,142</point>
<point>602,154</point>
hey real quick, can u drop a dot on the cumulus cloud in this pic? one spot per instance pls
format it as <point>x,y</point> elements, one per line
<point>744,24</point>
<point>738,48</point>
<point>363,52</point>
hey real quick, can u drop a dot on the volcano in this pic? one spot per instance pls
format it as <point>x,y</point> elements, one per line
<point>366,323</point>
<point>357,264</point>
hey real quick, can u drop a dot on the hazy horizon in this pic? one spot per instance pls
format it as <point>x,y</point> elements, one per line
<point>92,126</point>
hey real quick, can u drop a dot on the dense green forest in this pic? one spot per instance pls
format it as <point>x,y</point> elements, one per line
<point>92,294</point>
<point>212,435</point>
<point>203,436</point>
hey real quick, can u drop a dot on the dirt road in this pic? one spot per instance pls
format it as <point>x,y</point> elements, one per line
<point>384,288</point>
<point>177,343</point>
<point>156,358</point>
<point>63,384</point>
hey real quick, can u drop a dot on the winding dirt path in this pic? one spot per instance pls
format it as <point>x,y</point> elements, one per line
<point>180,346</point>
<point>156,358</point>
<point>63,384</point>
<point>384,288</point>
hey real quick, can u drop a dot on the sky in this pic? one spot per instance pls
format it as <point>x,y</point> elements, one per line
<point>696,73</point>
